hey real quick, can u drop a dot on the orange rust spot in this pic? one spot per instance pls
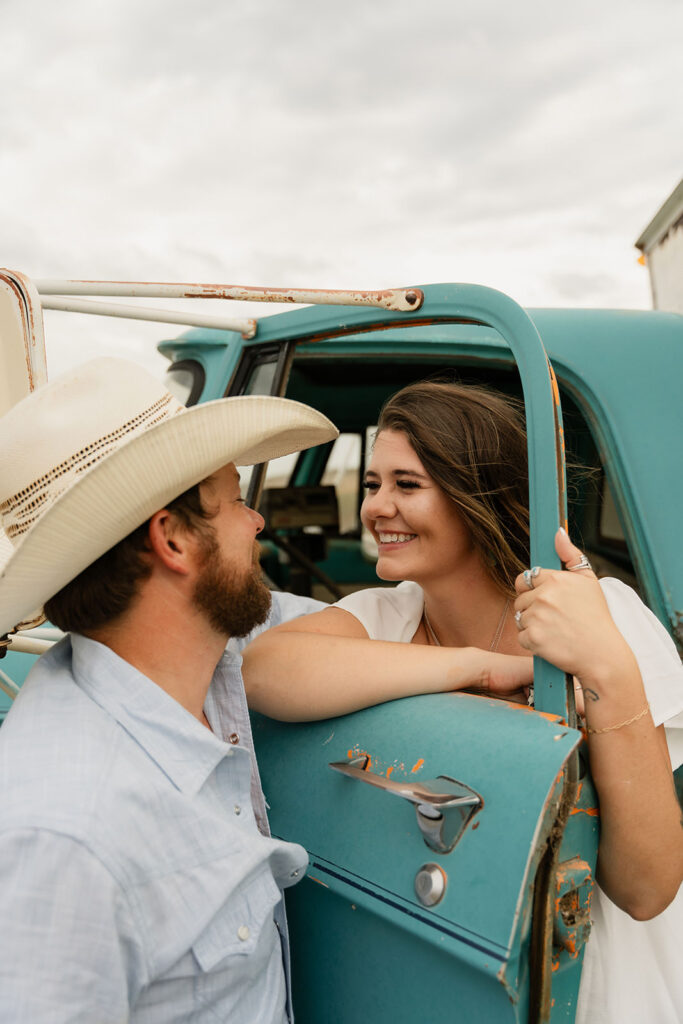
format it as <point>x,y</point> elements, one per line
<point>418,764</point>
<point>553,385</point>
<point>357,752</point>
<point>593,812</point>
<point>551,718</point>
<point>349,754</point>
<point>318,880</point>
<point>555,966</point>
<point>511,705</point>
<point>390,770</point>
<point>476,825</point>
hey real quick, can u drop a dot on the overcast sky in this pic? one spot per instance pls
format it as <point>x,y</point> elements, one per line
<point>361,144</point>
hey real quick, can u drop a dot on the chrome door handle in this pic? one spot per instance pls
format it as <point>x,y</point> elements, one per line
<point>443,806</point>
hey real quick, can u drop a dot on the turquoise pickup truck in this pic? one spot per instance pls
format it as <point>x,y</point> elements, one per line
<point>475,904</point>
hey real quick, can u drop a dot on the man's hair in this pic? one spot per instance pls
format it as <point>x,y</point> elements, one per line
<point>108,587</point>
<point>472,443</point>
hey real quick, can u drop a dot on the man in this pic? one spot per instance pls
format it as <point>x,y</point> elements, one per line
<point>138,880</point>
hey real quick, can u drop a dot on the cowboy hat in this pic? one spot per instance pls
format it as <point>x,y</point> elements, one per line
<point>87,458</point>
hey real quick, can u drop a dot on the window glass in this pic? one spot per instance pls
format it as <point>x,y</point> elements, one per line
<point>610,527</point>
<point>278,473</point>
<point>343,473</point>
<point>185,381</point>
<point>260,382</point>
<point>261,379</point>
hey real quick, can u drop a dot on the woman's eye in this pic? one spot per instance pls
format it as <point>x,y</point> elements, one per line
<point>370,485</point>
<point>408,485</point>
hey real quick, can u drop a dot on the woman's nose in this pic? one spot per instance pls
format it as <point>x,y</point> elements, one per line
<point>378,504</point>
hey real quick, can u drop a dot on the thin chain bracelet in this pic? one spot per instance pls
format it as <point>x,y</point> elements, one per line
<point>629,721</point>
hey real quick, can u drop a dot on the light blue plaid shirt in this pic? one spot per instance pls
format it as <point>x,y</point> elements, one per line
<point>135,884</point>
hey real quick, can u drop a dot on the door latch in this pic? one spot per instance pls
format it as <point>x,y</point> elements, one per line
<point>443,806</point>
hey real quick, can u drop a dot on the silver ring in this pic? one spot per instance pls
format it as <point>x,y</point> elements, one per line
<point>582,563</point>
<point>518,620</point>
<point>530,575</point>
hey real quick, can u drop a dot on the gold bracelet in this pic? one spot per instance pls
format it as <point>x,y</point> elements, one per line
<point>629,721</point>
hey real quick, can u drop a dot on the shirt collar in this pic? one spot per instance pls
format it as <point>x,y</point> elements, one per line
<point>185,750</point>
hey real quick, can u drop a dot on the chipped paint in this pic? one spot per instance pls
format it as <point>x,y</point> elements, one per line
<point>418,764</point>
<point>395,299</point>
<point>23,338</point>
<point>572,905</point>
<point>325,742</point>
<point>319,881</point>
<point>376,764</point>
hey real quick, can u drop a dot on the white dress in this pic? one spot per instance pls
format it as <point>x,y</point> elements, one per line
<point>632,970</point>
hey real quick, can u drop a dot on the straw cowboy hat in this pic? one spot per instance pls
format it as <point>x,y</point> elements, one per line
<point>86,459</point>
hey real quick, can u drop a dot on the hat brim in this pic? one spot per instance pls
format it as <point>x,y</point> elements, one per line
<point>128,486</point>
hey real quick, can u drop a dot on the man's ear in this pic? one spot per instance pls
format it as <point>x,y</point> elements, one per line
<point>173,546</point>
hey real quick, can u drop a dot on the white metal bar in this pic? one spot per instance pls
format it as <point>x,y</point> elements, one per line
<point>28,645</point>
<point>244,326</point>
<point>8,685</point>
<point>398,299</point>
<point>44,633</point>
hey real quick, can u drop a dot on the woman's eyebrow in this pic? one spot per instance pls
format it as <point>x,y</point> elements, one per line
<point>398,472</point>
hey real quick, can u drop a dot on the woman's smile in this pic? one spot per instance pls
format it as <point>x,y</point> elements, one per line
<point>419,532</point>
<point>386,539</point>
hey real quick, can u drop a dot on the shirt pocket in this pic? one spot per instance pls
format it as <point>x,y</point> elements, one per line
<point>237,930</point>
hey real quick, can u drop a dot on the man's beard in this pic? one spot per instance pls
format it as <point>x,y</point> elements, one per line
<point>233,603</point>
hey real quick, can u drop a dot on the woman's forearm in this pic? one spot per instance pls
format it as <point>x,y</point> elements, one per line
<point>298,676</point>
<point>640,861</point>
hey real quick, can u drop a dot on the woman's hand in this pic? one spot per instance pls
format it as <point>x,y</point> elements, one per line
<point>507,676</point>
<point>565,618</point>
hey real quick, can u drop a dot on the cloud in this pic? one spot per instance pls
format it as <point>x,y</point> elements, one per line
<point>522,146</point>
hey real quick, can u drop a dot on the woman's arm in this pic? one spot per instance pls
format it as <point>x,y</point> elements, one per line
<point>324,665</point>
<point>565,619</point>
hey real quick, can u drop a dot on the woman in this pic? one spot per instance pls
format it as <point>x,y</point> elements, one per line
<point>447,504</point>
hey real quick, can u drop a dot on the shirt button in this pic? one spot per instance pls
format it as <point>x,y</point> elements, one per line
<point>294,874</point>
<point>234,737</point>
<point>237,809</point>
<point>243,933</point>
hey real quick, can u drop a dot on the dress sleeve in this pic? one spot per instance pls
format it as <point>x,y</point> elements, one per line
<point>657,657</point>
<point>387,613</point>
<point>69,952</point>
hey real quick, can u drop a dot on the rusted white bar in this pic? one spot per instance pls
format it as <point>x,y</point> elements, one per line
<point>244,326</point>
<point>50,633</point>
<point>397,299</point>
<point>8,685</point>
<point>28,645</point>
<point>24,366</point>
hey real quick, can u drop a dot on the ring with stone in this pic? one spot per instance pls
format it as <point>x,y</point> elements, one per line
<point>582,563</point>
<point>530,575</point>
<point>518,620</point>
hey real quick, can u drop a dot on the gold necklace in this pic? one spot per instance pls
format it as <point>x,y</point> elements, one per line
<point>431,635</point>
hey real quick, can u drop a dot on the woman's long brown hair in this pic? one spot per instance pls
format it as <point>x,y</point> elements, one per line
<point>472,442</point>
